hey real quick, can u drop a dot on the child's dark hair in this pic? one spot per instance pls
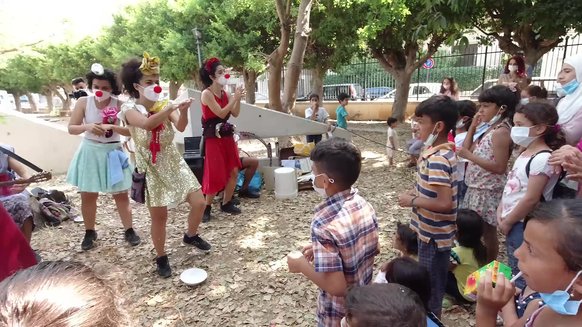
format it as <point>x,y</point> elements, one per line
<point>439,108</point>
<point>467,108</point>
<point>77,80</point>
<point>131,74</point>
<point>537,91</point>
<point>107,75</point>
<point>341,97</point>
<point>384,305</point>
<point>407,272</point>
<point>207,70</point>
<point>391,121</point>
<point>454,88</point>
<point>470,232</point>
<point>566,217</point>
<point>543,113</point>
<point>502,95</point>
<point>339,159</point>
<point>314,96</point>
<point>520,66</point>
<point>408,237</point>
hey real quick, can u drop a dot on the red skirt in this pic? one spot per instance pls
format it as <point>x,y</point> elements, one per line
<point>221,157</point>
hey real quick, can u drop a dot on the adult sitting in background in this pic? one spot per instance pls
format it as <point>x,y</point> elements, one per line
<point>316,113</point>
<point>249,165</point>
<point>514,74</point>
<point>533,93</point>
<point>15,198</point>
<point>450,88</point>
<point>570,105</point>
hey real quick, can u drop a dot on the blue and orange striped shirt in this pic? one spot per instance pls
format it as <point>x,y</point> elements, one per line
<point>437,167</point>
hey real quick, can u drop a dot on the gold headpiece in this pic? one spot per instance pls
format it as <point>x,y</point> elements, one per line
<point>150,65</point>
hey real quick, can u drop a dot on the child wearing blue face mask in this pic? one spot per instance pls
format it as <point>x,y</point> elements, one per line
<point>531,179</point>
<point>344,231</point>
<point>488,156</point>
<point>550,259</point>
<point>434,199</point>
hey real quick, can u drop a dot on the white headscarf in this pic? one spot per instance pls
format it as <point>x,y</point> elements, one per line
<point>571,103</point>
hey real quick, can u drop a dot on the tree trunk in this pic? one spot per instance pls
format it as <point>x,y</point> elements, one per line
<point>250,77</point>
<point>275,60</point>
<point>17,103</point>
<point>401,97</point>
<point>65,99</point>
<point>174,88</point>
<point>49,100</point>
<point>295,65</point>
<point>317,80</point>
<point>33,104</point>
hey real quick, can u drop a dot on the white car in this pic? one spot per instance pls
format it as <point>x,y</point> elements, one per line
<point>417,91</point>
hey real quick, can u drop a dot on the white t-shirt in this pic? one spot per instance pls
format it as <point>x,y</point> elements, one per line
<point>461,162</point>
<point>392,133</point>
<point>517,181</point>
<point>322,115</point>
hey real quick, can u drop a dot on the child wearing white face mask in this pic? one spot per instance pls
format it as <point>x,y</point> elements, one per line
<point>344,231</point>
<point>531,179</point>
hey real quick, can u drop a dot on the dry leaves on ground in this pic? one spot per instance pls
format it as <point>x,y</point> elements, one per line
<point>248,283</point>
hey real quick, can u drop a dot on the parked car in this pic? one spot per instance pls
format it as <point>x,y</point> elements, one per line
<point>418,91</point>
<point>372,93</point>
<point>24,104</point>
<point>549,83</point>
<point>330,92</point>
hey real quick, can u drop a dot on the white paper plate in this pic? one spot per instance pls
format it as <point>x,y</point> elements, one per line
<point>193,276</point>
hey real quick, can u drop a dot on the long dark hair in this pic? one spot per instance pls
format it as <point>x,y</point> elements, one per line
<point>520,66</point>
<point>131,74</point>
<point>469,233</point>
<point>407,272</point>
<point>208,70</point>
<point>454,87</point>
<point>543,113</point>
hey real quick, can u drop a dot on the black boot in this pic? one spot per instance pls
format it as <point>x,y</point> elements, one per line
<point>197,241</point>
<point>229,207</point>
<point>131,237</point>
<point>163,264</point>
<point>206,217</point>
<point>89,240</point>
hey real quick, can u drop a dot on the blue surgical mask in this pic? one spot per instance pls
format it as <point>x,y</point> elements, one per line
<point>560,302</point>
<point>567,88</point>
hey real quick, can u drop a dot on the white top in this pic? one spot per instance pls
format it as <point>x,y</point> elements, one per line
<point>517,181</point>
<point>93,115</point>
<point>461,162</point>
<point>392,132</point>
<point>322,115</point>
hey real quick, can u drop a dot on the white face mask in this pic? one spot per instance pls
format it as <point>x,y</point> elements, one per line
<point>101,95</point>
<point>512,68</point>
<point>524,101</point>
<point>320,190</point>
<point>152,92</point>
<point>431,138</point>
<point>222,80</point>
<point>344,322</point>
<point>460,124</point>
<point>520,136</point>
<point>495,118</point>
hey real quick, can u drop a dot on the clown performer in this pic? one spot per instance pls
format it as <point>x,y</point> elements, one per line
<point>169,180</point>
<point>100,165</point>
<point>221,161</point>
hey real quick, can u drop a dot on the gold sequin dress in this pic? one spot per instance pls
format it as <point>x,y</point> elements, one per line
<point>169,180</point>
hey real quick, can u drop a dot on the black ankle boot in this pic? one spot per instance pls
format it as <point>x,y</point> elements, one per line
<point>206,217</point>
<point>163,264</point>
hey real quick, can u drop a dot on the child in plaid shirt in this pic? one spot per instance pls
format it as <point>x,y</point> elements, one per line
<point>434,201</point>
<point>344,231</point>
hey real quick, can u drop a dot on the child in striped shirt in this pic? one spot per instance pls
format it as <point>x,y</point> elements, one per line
<point>434,200</point>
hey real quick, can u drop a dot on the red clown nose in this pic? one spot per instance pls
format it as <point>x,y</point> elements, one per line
<point>227,76</point>
<point>158,89</point>
<point>99,94</point>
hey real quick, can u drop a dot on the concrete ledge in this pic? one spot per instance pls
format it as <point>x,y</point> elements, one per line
<point>359,110</point>
<point>47,145</point>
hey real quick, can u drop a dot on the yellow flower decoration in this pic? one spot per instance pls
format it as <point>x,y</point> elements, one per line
<point>158,106</point>
<point>150,65</point>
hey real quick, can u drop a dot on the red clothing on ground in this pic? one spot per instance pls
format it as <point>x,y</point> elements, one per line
<point>15,253</point>
<point>221,154</point>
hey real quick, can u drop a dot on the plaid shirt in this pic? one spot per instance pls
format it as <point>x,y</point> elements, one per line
<point>344,234</point>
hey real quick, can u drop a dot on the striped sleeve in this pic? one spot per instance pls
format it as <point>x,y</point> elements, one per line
<point>440,171</point>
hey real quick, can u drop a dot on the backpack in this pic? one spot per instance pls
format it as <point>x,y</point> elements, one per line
<point>560,191</point>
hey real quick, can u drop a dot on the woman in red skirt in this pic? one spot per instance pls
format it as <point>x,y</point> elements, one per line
<point>221,162</point>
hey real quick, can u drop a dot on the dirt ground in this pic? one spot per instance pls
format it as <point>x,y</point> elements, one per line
<point>248,283</point>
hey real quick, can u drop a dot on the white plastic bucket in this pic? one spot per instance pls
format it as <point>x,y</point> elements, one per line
<point>285,183</point>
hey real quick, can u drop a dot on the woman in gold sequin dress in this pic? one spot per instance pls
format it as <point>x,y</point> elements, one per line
<point>169,180</point>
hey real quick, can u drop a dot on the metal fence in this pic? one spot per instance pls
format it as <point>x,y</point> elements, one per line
<point>471,66</point>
